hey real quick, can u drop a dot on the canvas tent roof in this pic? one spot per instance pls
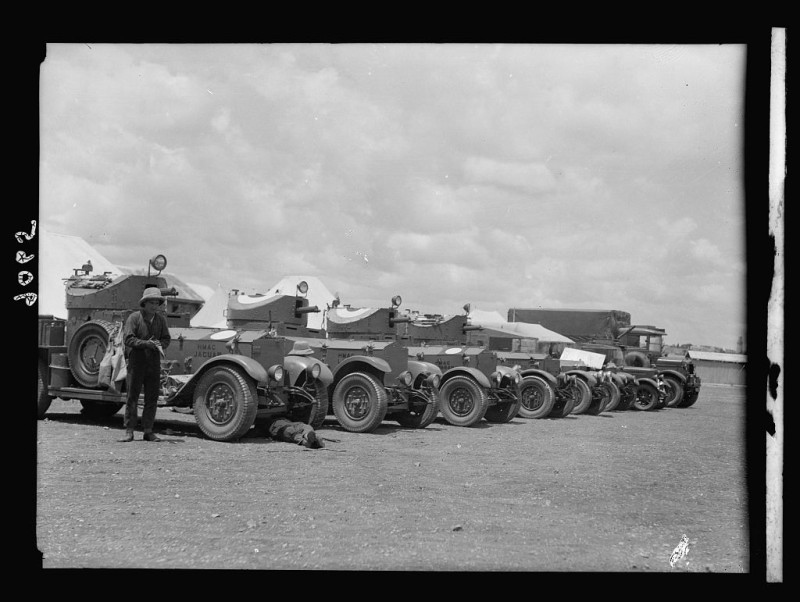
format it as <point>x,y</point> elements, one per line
<point>59,255</point>
<point>522,330</point>
<point>478,316</point>
<point>185,292</point>
<point>318,294</point>
<point>212,315</point>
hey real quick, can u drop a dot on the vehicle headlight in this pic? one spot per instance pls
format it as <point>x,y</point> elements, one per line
<point>406,378</point>
<point>316,370</point>
<point>159,262</point>
<point>434,380</point>
<point>517,378</point>
<point>497,377</point>
<point>276,373</point>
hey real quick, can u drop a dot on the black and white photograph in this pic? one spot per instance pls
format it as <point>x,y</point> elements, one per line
<point>395,306</point>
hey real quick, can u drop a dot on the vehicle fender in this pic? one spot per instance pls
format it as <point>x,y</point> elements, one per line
<point>648,380</point>
<point>622,379</point>
<point>361,363</point>
<point>417,367</point>
<point>584,376</point>
<point>295,365</point>
<point>675,373</point>
<point>255,370</point>
<point>479,376</point>
<point>543,373</point>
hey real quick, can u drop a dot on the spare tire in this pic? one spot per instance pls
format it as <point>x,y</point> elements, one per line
<point>637,359</point>
<point>86,351</point>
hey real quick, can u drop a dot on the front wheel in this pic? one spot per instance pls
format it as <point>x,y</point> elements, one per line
<point>421,413</point>
<point>504,411</point>
<point>583,398</point>
<point>225,403</point>
<point>646,397</point>
<point>689,399</point>
<point>563,407</point>
<point>464,401</point>
<point>614,400</point>
<point>43,400</point>
<point>627,397</point>
<point>312,413</point>
<point>537,397</point>
<point>674,391</point>
<point>360,402</point>
<point>600,400</point>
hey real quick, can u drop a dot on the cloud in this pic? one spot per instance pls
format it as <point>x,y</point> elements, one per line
<point>530,178</point>
<point>502,175</point>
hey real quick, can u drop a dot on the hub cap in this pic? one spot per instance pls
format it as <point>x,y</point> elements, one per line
<point>220,403</point>
<point>356,402</point>
<point>532,398</point>
<point>91,353</point>
<point>461,402</point>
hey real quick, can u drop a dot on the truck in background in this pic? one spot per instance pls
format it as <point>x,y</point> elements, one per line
<point>603,330</point>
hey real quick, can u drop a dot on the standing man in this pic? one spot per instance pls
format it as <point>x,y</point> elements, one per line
<point>146,334</point>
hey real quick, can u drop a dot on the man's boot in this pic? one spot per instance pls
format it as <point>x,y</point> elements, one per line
<point>311,440</point>
<point>151,437</point>
<point>128,437</point>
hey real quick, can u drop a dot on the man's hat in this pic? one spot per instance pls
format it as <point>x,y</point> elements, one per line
<point>301,348</point>
<point>151,293</point>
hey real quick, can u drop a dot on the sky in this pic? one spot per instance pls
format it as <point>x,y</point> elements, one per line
<point>596,176</point>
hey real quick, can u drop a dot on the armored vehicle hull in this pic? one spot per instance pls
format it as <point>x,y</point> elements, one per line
<point>230,381</point>
<point>372,380</point>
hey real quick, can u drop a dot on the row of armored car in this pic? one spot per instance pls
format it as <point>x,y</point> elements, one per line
<point>366,366</point>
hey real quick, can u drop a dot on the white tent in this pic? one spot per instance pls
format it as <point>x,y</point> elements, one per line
<point>59,255</point>
<point>478,316</point>
<point>523,330</point>
<point>212,315</point>
<point>318,294</point>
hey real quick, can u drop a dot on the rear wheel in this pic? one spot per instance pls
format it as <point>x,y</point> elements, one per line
<point>504,411</point>
<point>43,400</point>
<point>86,350</point>
<point>463,401</point>
<point>225,403</point>
<point>421,413</point>
<point>646,397</point>
<point>674,391</point>
<point>616,395</point>
<point>99,409</point>
<point>360,402</point>
<point>537,397</point>
<point>583,396</point>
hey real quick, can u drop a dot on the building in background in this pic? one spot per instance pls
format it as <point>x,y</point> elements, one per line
<point>719,368</point>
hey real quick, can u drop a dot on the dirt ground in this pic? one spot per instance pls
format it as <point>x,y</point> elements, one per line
<point>614,492</point>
